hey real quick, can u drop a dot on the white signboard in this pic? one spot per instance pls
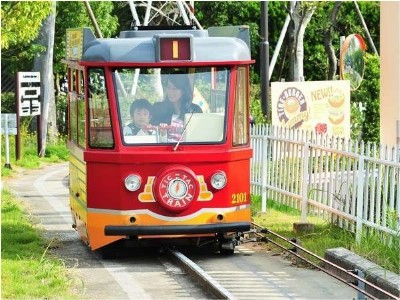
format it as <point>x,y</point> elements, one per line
<point>319,106</point>
<point>9,124</point>
<point>29,93</point>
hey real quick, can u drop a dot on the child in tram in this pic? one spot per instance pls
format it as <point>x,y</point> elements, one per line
<point>140,112</point>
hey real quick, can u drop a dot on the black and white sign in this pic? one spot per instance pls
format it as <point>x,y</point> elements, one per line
<point>29,93</point>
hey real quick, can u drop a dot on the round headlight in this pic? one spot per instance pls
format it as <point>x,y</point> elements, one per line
<point>218,180</point>
<point>133,182</point>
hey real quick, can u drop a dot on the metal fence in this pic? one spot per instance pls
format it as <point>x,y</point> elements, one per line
<point>350,183</point>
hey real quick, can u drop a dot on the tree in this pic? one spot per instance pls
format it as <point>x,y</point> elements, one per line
<point>330,50</point>
<point>44,64</point>
<point>72,14</point>
<point>316,65</point>
<point>21,20</point>
<point>301,16</point>
<point>368,95</point>
<point>223,13</point>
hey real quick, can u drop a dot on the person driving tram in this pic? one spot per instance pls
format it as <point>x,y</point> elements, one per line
<point>177,102</point>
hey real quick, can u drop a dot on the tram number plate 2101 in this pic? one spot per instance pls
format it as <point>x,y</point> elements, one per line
<point>239,198</point>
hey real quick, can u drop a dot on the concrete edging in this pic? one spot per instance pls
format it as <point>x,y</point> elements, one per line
<point>386,280</point>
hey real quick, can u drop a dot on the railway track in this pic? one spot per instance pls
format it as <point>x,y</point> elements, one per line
<point>358,283</point>
<point>200,276</point>
<point>251,273</point>
<point>262,235</point>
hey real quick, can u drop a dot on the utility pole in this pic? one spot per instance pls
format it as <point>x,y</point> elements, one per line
<point>264,59</point>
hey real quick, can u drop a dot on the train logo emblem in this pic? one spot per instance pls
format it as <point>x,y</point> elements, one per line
<point>148,196</point>
<point>177,190</point>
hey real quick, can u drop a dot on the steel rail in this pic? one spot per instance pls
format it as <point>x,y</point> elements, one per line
<point>267,231</point>
<point>209,283</point>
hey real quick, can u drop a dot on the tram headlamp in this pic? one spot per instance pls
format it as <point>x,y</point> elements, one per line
<point>133,182</point>
<point>218,180</point>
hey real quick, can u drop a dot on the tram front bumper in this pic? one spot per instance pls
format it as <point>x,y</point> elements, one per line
<point>132,230</point>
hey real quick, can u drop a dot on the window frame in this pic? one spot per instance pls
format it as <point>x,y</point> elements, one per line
<point>240,126</point>
<point>99,137</point>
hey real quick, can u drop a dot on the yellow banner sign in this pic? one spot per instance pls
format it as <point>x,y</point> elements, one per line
<point>319,106</point>
<point>74,44</point>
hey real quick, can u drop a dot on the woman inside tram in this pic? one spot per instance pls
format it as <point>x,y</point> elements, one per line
<point>178,102</point>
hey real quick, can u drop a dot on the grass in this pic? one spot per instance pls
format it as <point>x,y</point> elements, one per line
<point>55,152</point>
<point>27,269</point>
<point>280,218</point>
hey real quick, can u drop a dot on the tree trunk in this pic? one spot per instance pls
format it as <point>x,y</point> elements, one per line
<point>44,64</point>
<point>329,49</point>
<point>301,16</point>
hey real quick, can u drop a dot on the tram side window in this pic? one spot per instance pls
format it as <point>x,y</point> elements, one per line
<point>72,119</point>
<point>81,130</point>
<point>100,131</point>
<point>240,119</point>
<point>76,108</point>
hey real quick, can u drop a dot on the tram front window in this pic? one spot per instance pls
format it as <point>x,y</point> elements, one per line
<point>173,104</point>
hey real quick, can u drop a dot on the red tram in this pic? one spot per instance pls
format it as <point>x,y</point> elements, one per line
<point>159,136</point>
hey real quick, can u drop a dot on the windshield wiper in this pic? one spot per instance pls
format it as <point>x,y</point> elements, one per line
<point>183,132</point>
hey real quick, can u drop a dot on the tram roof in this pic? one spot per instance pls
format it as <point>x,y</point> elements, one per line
<point>144,46</point>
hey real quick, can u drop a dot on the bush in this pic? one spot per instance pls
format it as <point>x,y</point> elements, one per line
<point>367,121</point>
<point>55,152</point>
<point>8,103</point>
<point>255,105</point>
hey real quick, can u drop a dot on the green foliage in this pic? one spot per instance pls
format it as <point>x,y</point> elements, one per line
<point>55,152</point>
<point>8,103</point>
<point>62,111</point>
<point>356,121</point>
<point>368,95</point>
<point>8,106</point>
<point>115,16</point>
<point>255,105</point>
<point>19,238</point>
<point>224,13</point>
<point>19,58</point>
<point>279,218</point>
<point>27,271</point>
<point>315,59</point>
<point>382,248</point>
<point>21,21</point>
<point>72,14</point>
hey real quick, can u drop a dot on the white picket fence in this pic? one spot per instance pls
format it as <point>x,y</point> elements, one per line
<point>350,183</point>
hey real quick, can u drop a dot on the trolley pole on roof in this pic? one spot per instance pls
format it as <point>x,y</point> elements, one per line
<point>183,12</point>
<point>264,58</point>
<point>93,19</point>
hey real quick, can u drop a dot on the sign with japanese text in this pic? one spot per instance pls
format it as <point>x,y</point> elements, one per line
<point>29,93</point>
